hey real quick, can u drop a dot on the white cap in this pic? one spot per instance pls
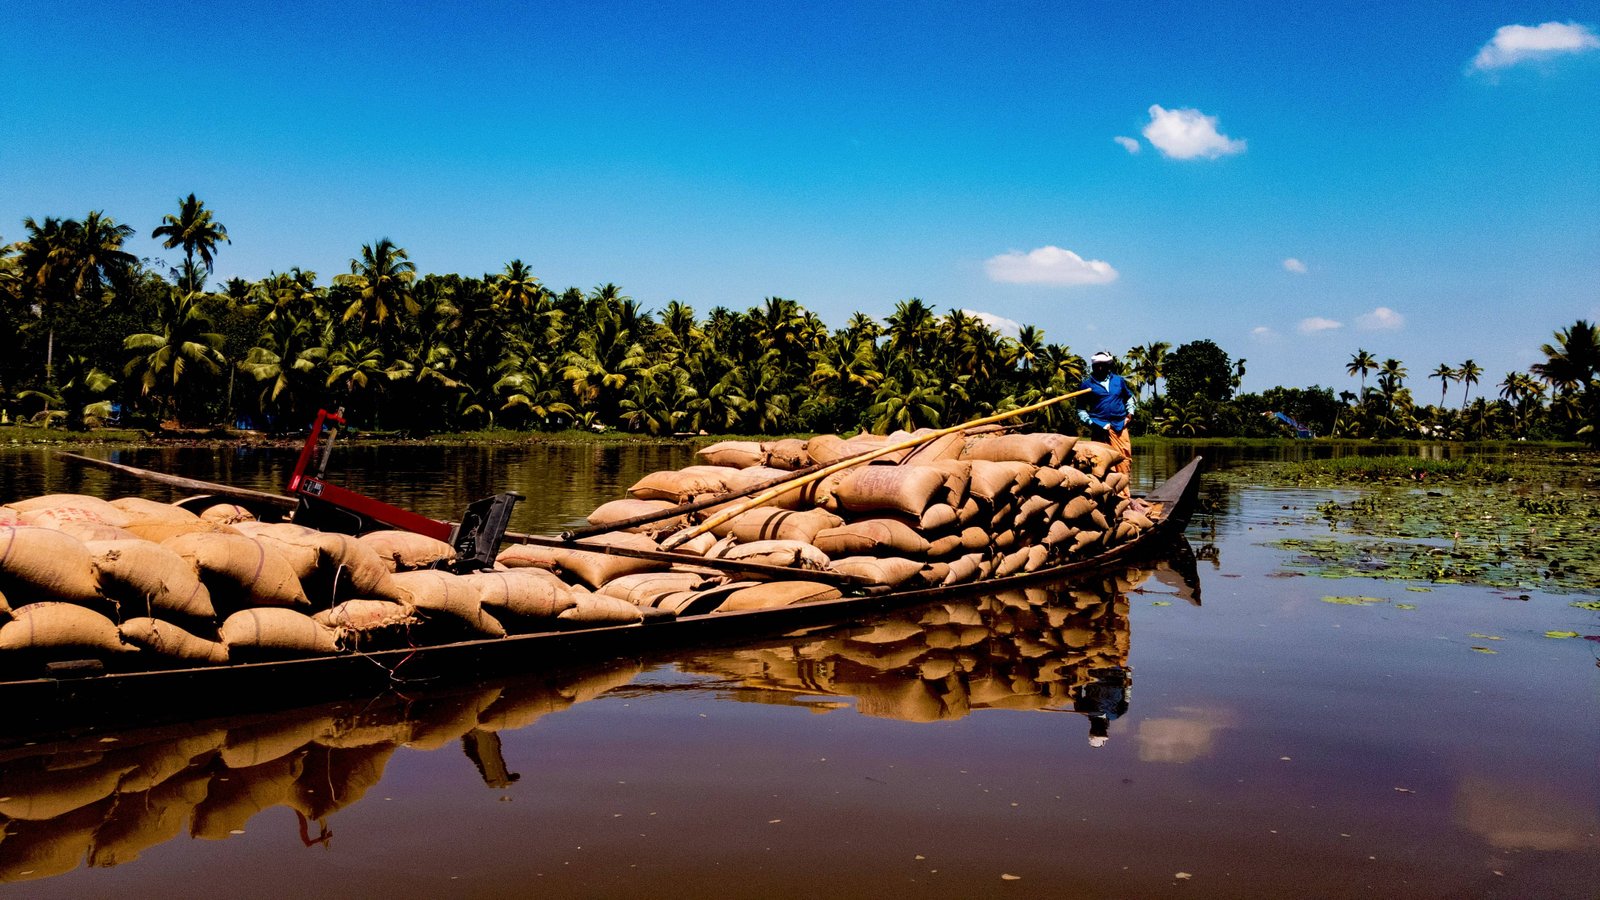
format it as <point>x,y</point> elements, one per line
<point>1101,357</point>
<point>1098,740</point>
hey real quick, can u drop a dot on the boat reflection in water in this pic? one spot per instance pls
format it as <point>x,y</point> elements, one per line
<point>104,799</point>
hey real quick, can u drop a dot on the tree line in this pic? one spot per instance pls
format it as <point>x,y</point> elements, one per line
<point>86,329</point>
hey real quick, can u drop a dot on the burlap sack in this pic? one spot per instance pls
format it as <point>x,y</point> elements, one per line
<point>766,524</point>
<point>937,516</point>
<point>61,628</point>
<point>682,485</point>
<point>880,536</point>
<point>1025,448</point>
<point>889,570</point>
<point>643,589</point>
<point>621,510</point>
<point>162,530</point>
<point>963,569</point>
<point>150,510</point>
<point>528,593</point>
<point>907,489</point>
<point>789,554</point>
<point>974,538</point>
<point>938,548</point>
<point>443,594</point>
<point>101,509</point>
<point>295,543</point>
<point>403,551</point>
<point>146,579</point>
<point>40,793</point>
<point>778,593</point>
<point>1095,457</point>
<point>40,563</point>
<point>788,454</point>
<point>734,454</point>
<point>227,513</point>
<point>1060,446</point>
<point>240,570</point>
<point>89,532</point>
<point>595,569</point>
<point>599,609</point>
<point>168,641</point>
<point>275,631</point>
<point>362,615</point>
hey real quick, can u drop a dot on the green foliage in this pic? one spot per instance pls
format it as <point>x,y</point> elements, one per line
<point>1199,369</point>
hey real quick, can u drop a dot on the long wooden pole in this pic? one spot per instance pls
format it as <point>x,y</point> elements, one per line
<point>843,464</point>
<point>279,501</point>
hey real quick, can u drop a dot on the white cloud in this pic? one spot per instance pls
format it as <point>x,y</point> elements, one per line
<point>1263,333</point>
<point>1381,319</point>
<point>1187,134</point>
<point>1007,327</point>
<point>1316,324</point>
<point>1295,266</point>
<point>1048,265</point>
<point>1128,143</point>
<point>1513,44</point>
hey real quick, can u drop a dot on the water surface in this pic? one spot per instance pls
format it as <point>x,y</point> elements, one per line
<point>1113,739</point>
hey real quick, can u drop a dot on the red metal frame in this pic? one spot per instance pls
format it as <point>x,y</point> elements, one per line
<point>312,487</point>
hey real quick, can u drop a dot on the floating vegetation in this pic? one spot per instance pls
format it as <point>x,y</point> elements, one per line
<point>1560,634</point>
<point>1587,604</point>
<point>1354,601</point>
<point>1405,606</point>
<point>1393,470</point>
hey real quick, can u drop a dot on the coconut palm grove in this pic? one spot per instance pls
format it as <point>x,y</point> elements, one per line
<point>93,335</point>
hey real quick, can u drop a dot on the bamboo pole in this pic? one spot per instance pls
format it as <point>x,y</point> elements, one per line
<point>689,559</point>
<point>843,464</point>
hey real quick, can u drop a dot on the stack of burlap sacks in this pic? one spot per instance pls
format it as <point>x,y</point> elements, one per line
<point>959,509</point>
<point>104,804</point>
<point>1018,649</point>
<point>85,577</point>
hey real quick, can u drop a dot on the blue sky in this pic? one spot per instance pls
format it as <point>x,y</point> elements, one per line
<point>1434,173</point>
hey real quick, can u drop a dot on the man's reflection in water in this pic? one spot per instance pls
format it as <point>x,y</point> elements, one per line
<point>1103,699</point>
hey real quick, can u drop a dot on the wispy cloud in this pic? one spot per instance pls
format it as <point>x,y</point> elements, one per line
<point>1048,265</point>
<point>1381,319</point>
<point>1295,266</point>
<point>1188,134</point>
<point>1317,324</point>
<point>1514,44</point>
<point>1263,333</point>
<point>1128,143</point>
<point>1005,326</point>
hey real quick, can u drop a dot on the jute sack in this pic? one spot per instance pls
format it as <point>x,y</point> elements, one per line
<point>1060,446</point>
<point>826,449</point>
<point>957,477</point>
<point>970,510</point>
<point>168,641</point>
<point>871,536</point>
<point>1125,531</point>
<point>1078,507</point>
<point>889,570</point>
<point>683,484</point>
<point>907,489</point>
<point>235,796</point>
<point>1139,519</point>
<point>88,532</point>
<point>734,454</point>
<point>360,616</point>
<point>762,524</point>
<point>1073,480</point>
<point>439,593</point>
<point>789,554</point>
<point>1005,540</point>
<point>1095,457</point>
<point>1059,532</point>
<point>150,510</point>
<point>274,630</point>
<point>939,548</point>
<point>523,592</point>
<point>643,588</point>
<point>948,447</point>
<point>741,479</point>
<point>160,530</point>
<point>530,556</point>
<point>622,510</point>
<point>1048,479</point>
<point>937,516</point>
<point>698,545</point>
<point>62,517</point>
<point>1033,507</point>
<point>599,609</point>
<point>56,627</point>
<point>1116,482</point>
<point>788,454</point>
<point>336,778</point>
<point>102,509</point>
<point>1026,448</point>
<point>295,543</point>
<point>700,601</point>
<point>227,513</point>
<point>256,743</point>
<point>934,573</point>
<point>1038,555</point>
<point>1086,538</point>
<point>149,579</point>
<point>974,538</point>
<point>403,551</point>
<point>42,794</point>
<point>45,564</point>
<point>774,594</point>
<point>963,569</point>
<point>9,516</point>
<point>520,705</point>
<point>595,569</point>
<point>240,570</point>
<point>991,480</point>
<point>137,824</point>
<point>5,609</point>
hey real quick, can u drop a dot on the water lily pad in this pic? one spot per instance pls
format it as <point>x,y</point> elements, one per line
<point>1160,603</point>
<point>1485,637</point>
<point>1587,604</point>
<point>1354,601</point>
<point>1560,634</point>
<point>1405,606</point>
<point>1485,650</point>
<point>1419,590</point>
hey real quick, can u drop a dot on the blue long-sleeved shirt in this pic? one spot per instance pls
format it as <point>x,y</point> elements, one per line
<point>1111,402</point>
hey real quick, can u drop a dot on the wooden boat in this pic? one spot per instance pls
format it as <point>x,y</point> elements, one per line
<point>91,699</point>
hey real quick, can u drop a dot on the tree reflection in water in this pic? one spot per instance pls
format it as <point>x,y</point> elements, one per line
<point>104,799</point>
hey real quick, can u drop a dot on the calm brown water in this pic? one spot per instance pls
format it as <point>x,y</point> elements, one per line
<point>1263,744</point>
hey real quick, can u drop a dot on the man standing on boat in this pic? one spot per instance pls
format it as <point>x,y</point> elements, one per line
<point>1109,408</point>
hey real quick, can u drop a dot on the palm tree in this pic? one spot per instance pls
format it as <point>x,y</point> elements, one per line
<point>193,229</point>
<point>63,260</point>
<point>1468,374</point>
<point>169,360</point>
<point>1445,374</point>
<point>1572,361</point>
<point>284,362</point>
<point>1362,362</point>
<point>1153,359</point>
<point>382,280</point>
